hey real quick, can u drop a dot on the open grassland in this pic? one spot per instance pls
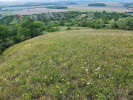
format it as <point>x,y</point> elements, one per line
<point>69,65</point>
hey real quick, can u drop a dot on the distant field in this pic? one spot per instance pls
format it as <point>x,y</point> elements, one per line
<point>87,10</point>
<point>29,10</point>
<point>111,7</point>
<point>39,11</point>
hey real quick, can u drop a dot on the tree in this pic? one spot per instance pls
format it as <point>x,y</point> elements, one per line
<point>4,32</point>
<point>113,24</point>
<point>99,23</point>
<point>125,23</point>
<point>29,29</point>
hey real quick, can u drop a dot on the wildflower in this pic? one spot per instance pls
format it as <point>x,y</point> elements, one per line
<point>85,62</point>
<point>98,68</point>
<point>62,79</point>
<point>66,67</point>
<point>116,65</point>
<point>82,67</point>
<point>88,83</point>
<point>17,80</point>
<point>86,69</point>
<point>78,95</point>
<point>45,77</point>
<point>68,83</point>
<point>60,92</point>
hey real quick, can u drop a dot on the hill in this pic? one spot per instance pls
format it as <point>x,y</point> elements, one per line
<point>69,65</point>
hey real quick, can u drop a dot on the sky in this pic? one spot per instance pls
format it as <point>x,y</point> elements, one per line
<point>58,0</point>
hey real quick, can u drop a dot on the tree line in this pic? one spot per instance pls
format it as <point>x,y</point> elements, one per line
<point>13,32</point>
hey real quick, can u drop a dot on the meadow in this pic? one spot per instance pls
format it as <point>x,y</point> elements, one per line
<point>84,64</point>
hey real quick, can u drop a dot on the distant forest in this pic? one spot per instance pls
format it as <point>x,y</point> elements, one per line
<point>56,7</point>
<point>96,4</point>
<point>128,5</point>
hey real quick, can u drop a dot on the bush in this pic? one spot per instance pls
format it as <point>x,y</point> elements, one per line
<point>125,23</point>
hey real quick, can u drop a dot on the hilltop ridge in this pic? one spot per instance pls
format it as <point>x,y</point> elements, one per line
<point>75,64</point>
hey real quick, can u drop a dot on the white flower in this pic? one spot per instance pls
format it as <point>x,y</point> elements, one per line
<point>17,80</point>
<point>45,77</point>
<point>85,62</point>
<point>88,83</point>
<point>62,79</point>
<point>98,68</point>
<point>60,91</point>
<point>68,83</point>
<point>86,69</point>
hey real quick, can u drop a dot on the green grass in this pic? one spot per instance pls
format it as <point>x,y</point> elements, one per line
<point>64,28</point>
<point>69,65</point>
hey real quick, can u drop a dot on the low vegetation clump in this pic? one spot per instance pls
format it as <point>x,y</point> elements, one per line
<point>70,65</point>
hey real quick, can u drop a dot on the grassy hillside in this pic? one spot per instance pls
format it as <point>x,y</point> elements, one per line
<point>69,65</point>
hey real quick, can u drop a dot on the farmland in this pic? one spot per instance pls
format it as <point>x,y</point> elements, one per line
<point>111,7</point>
<point>38,9</point>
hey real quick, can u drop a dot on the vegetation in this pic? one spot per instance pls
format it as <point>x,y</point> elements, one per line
<point>0,15</point>
<point>15,34</point>
<point>56,7</point>
<point>17,28</point>
<point>96,4</point>
<point>125,23</point>
<point>128,5</point>
<point>70,65</point>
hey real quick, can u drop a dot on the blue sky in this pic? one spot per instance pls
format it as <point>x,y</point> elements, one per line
<point>46,0</point>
